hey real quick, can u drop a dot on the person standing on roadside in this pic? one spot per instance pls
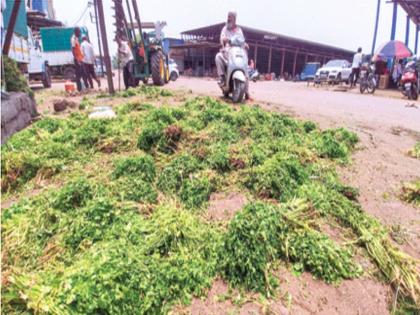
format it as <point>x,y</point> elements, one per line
<point>357,63</point>
<point>89,62</point>
<point>78,59</point>
<point>126,59</point>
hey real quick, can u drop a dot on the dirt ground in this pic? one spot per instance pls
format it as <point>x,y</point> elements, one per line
<point>388,126</point>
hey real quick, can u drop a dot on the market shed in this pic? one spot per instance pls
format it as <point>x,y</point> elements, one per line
<point>272,52</point>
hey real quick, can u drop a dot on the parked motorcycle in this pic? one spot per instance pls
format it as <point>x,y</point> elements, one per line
<point>367,80</point>
<point>409,81</point>
<point>236,80</point>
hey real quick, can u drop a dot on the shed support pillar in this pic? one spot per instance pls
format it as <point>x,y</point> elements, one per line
<point>269,59</point>
<point>294,63</point>
<point>417,39</point>
<point>255,55</point>
<point>283,56</point>
<point>407,31</point>
<point>394,20</point>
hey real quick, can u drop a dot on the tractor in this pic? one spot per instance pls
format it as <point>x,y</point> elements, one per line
<point>149,57</point>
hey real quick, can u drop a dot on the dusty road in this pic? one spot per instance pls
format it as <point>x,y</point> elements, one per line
<point>350,107</point>
<point>387,125</point>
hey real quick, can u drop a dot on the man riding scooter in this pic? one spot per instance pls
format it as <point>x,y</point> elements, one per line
<point>232,60</point>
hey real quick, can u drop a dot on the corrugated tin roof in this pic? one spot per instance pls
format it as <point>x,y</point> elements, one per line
<point>412,7</point>
<point>216,28</point>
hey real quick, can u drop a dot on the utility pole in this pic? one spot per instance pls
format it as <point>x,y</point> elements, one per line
<point>99,37</point>
<point>11,27</point>
<point>105,45</point>
<point>375,32</point>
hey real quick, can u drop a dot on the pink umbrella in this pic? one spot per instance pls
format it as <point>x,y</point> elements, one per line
<point>393,49</point>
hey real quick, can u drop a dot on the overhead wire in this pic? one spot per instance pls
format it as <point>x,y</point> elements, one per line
<point>82,15</point>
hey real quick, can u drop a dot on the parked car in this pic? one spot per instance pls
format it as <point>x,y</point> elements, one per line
<point>173,70</point>
<point>334,71</point>
<point>309,71</point>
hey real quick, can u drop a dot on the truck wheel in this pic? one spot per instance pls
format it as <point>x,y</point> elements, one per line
<point>69,73</point>
<point>158,68</point>
<point>46,78</point>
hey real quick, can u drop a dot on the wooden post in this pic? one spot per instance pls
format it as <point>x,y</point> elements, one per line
<point>105,44</point>
<point>11,27</point>
<point>294,63</point>
<point>255,55</point>
<point>283,56</point>
<point>269,59</point>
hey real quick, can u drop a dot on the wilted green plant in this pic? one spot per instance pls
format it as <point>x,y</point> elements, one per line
<point>176,172</point>
<point>195,192</point>
<point>278,177</point>
<point>136,189</point>
<point>415,152</point>
<point>410,192</point>
<point>262,233</point>
<point>142,167</point>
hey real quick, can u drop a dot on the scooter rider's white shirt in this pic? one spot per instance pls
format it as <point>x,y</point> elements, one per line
<point>357,60</point>
<point>228,34</point>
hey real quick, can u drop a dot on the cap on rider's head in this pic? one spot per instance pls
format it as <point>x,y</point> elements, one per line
<point>231,19</point>
<point>232,13</point>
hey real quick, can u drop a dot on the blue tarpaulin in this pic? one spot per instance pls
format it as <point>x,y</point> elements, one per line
<point>21,26</point>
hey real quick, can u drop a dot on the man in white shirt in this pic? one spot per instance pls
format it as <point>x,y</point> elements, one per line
<point>125,57</point>
<point>357,63</point>
<point>89,62</point>
<point>228,31</point>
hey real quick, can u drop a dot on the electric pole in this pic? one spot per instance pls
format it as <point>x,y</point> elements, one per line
<point>105,46</point>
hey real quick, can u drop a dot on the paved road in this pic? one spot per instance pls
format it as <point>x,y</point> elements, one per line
<point>349,107</point>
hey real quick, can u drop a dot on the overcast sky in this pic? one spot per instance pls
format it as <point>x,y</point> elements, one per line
<point>341,23</point>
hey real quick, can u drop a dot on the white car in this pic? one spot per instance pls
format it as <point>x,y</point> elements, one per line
<point>173,70</point>
<point>334,71</point>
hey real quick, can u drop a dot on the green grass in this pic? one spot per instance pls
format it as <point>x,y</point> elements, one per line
<point>121,226</point>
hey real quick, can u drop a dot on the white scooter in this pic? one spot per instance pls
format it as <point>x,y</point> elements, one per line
<point>236,78</point>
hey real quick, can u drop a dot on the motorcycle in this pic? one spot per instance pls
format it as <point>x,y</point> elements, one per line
<point>236,78</point>
<point>367,80</point>
<point>409,81</point>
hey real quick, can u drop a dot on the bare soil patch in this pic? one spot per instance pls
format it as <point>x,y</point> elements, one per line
<point>223,206</point>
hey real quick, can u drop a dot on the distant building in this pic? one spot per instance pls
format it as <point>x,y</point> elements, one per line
<point>41,13</point>
<point>272,52</point>
<point>43,6</point>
